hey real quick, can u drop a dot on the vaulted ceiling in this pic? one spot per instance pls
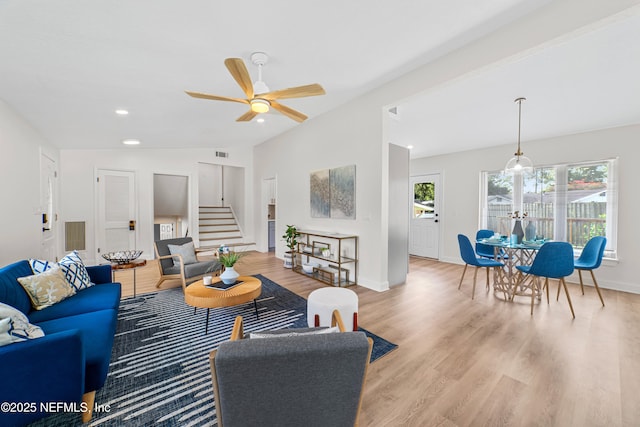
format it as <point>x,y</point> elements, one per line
<point>68,65</point>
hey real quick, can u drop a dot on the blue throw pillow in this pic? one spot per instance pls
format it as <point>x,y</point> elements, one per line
<point>71,265</point>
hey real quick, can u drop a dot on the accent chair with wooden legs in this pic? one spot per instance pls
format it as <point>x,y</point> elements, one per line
<point>177,259</point>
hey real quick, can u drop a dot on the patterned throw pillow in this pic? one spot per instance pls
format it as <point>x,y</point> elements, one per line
<point>72,267</point>
<point>48,288</point>
<point>15,326</point>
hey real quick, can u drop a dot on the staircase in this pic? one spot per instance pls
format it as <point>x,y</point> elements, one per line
<point>218,225</point>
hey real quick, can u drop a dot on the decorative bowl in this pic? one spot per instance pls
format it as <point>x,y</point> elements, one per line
<point>308,267</point>
<point>122,257</point>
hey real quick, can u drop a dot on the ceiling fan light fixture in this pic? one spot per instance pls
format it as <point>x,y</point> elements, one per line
<point>259,105</point>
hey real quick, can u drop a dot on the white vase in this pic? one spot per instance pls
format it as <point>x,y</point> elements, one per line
<point>288,259</point>
<point>229,276</point>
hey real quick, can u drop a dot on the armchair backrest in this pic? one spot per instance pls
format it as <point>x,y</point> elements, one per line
<point>162,249</point>
<point>310,380</point>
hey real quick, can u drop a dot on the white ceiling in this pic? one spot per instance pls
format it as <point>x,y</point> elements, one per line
<point>68,64</point>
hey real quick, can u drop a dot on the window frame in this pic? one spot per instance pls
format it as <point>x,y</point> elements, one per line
<point>560,203</point>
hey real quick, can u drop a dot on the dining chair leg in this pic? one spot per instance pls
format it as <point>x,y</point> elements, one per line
<point>534,285</point>
<point>475,275</point>
<point>463,273</point>
<point>546,285</point>
<point>581,284</point>
<point>566,291</point>
<point>595,283</point>
<point>487,278</point>
<point>558,294</point>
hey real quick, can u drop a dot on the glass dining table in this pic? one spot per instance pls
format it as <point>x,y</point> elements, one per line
<point>511,255</point>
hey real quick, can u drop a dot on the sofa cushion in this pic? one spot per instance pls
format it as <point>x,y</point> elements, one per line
<point>46,289</point>
<point>72,267</point>
<point>97,330</point>
<point>100,297</point>
<point>15,326</point>
<point>11,292</point>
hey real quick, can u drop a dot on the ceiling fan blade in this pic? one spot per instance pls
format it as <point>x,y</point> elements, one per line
<point>239,72</point>
<point>246,117</point>
<point>215,97</point>
<point>294,92</point>
<point>289,112</point>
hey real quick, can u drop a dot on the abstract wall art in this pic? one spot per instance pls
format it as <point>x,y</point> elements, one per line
<point>333,193</point>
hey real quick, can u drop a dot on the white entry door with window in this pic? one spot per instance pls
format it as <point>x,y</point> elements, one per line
<point>424,229</point>
<point>116,211</point>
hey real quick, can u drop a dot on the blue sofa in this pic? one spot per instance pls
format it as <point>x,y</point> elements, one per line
<point>71,361</point>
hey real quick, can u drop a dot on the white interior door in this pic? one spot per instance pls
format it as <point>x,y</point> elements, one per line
<point>424,231</point>
<point>116,211</point>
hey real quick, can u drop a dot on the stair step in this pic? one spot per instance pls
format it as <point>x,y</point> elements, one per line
<point>232,230</point>
<point>222,240</point>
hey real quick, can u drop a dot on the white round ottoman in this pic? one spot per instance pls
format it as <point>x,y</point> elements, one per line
<point>322,302</point>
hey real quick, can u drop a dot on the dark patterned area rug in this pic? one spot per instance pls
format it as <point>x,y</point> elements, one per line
<point>159,373</point>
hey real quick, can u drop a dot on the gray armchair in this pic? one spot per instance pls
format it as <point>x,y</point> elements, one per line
<point>189,272</point>
<point>284,380</point>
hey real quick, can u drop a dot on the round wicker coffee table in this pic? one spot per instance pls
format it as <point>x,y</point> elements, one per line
<point>200,296</point>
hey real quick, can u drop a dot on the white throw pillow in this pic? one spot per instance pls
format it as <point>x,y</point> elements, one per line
<point>187,251</point>
<point>15,326</point>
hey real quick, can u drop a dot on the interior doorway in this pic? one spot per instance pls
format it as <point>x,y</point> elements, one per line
<point>269,192</point>
<point>170,206</point>
<point>424,230</point>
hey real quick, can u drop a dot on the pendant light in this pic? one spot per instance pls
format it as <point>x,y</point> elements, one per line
<point>519,163</point>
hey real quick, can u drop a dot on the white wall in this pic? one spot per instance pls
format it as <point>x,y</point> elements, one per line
<point>20,211</point>
<point>346,136</point>
<point>78,183</point>
<point>460,207</point>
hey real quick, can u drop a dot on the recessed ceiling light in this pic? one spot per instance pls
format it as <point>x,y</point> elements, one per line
<point>260,120</point>
<point>131,142</point>
<point>122,112</point>
<point>409,147</point>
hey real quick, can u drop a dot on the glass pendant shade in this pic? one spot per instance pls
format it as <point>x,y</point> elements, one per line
<point>519,164</point>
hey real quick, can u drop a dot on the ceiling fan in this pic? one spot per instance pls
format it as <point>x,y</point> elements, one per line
<point>259,97</point>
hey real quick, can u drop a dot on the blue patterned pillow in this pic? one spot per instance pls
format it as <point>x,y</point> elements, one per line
<point>72,267</point>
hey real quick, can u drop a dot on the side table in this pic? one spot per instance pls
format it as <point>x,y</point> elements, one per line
<point>133,265</point>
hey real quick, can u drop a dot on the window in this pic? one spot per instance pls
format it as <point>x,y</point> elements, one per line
<point>572,202</point>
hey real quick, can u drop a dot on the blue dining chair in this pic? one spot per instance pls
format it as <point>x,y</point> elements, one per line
<point>482,250</point>
<point>554,260</point>
<point>469,257</point>
<point>590,259</point>
<point>487,251</point>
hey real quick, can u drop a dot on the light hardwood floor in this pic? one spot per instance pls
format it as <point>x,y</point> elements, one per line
<point>464,362</point>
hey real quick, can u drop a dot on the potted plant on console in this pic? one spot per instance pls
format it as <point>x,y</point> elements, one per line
<point>229,259</point>
<point>291,238</point>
